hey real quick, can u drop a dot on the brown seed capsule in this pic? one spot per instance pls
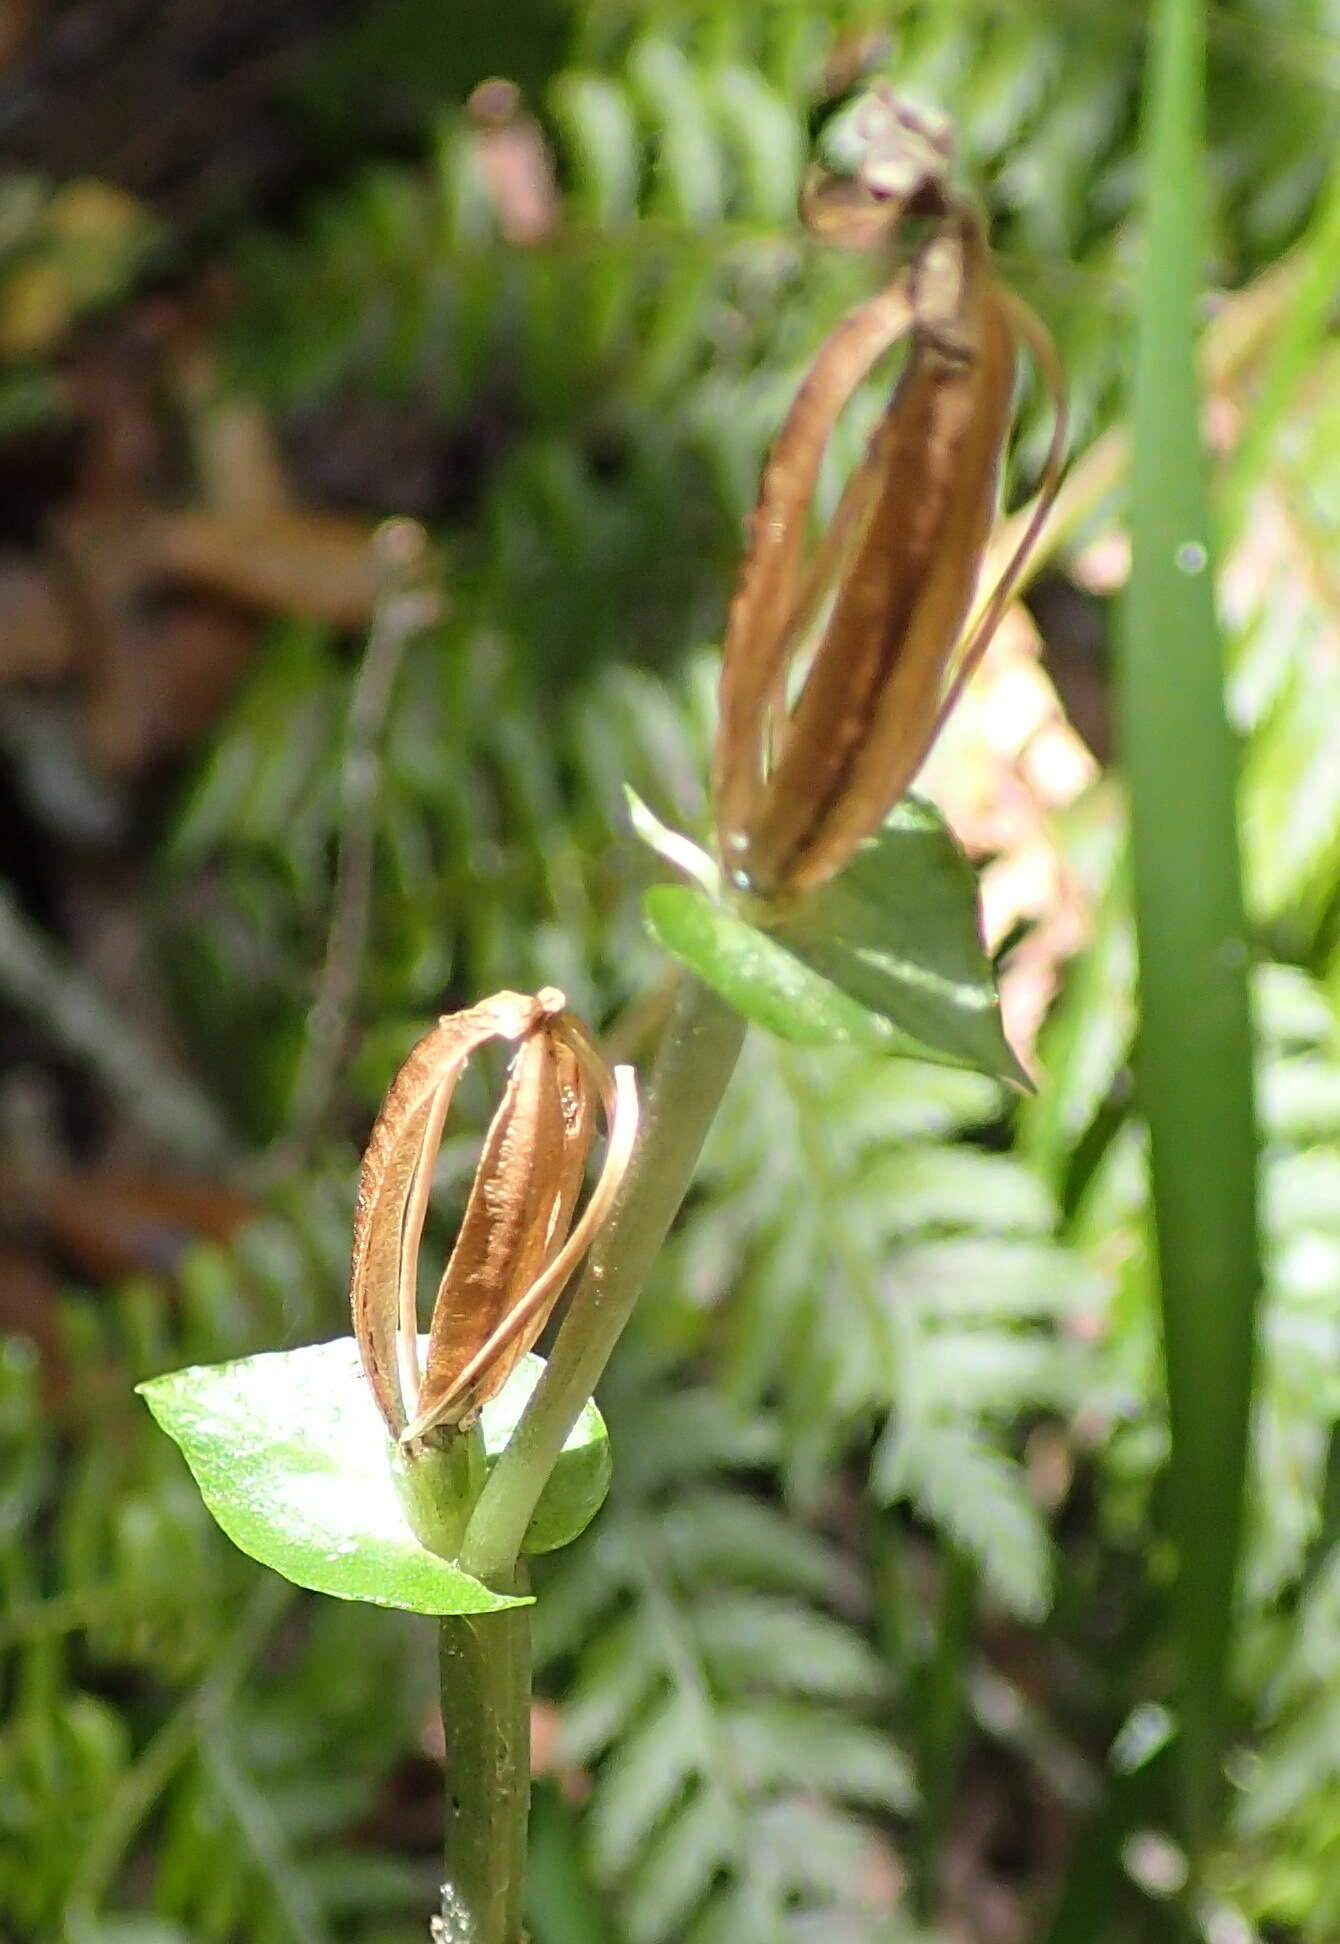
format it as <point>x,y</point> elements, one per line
<point>880,609</point>
<point>517,1245</point>
<point>770,598</point>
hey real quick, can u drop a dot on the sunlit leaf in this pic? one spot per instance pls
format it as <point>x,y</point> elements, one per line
<point>888,955</point>
<point>758,975</point>
<point>293,1462</point>
<point>898,931</point>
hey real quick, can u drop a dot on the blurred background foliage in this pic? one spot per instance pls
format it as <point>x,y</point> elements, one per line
<point>872,1639</point>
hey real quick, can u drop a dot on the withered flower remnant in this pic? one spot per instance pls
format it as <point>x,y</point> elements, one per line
<point>518,1244</point>
<point>876,613</point>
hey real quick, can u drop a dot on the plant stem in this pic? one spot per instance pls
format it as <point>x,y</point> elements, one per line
<point>696,1058</point>
<point>943,1720</point>
<point>561,1900</point>
<point>437,1485</point>
<point>405,606</point>
<point>485,1678</point>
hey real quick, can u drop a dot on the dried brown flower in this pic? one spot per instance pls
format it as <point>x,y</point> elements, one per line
<point>518,1244</point>
<point>878,609</point>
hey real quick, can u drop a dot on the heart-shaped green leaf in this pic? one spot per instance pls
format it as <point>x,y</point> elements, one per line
<point>292,1460</point>
<point>888,955</point>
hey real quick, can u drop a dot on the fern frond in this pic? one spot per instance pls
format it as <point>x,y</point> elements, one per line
<point>972,1493</point>
<point>715,1684</point>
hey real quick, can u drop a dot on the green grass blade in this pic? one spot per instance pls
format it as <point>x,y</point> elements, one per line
<point>1194,1057</point>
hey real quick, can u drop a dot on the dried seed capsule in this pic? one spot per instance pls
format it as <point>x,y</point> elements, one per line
<point>866,714</point>
<point>517,1218</point>
<point>517,1245</point>
<point>879,611</point>
<point>761,628</point>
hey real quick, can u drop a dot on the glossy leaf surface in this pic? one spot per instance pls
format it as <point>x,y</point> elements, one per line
<point>756,973</point>
<point>292,1460</point>
<point>898,931</point>
<point>888,955</point>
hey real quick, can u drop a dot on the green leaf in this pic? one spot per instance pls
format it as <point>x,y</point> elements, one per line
<point>969,1490</point>
<point>898,931</point>
<point>756,974</point>
<point>1194,1053</point>
<point>293,1462</point>
<point>888,955</point>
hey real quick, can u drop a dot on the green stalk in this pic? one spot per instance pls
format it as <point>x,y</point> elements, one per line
<point>1098,1901</point>
<point>485,1678</point>
<point>1194,1067</point>
<point>437,1483</point>
<point>696,1058</point>
<point>943,1700</point>
<point>562,1905</point>
<point>485,1660</point>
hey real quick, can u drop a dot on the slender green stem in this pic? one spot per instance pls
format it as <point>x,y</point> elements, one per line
<point>1097,1900</point>
<point>897,1610</point>
<point>485,1659</point>
<point>561,1901</point>
<point>437,1484</point>
<point>405,606</point>
<point>696,1058</point>
<point>263,1835</point>
<point>943,1720</point>
<point>485,1677</point>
